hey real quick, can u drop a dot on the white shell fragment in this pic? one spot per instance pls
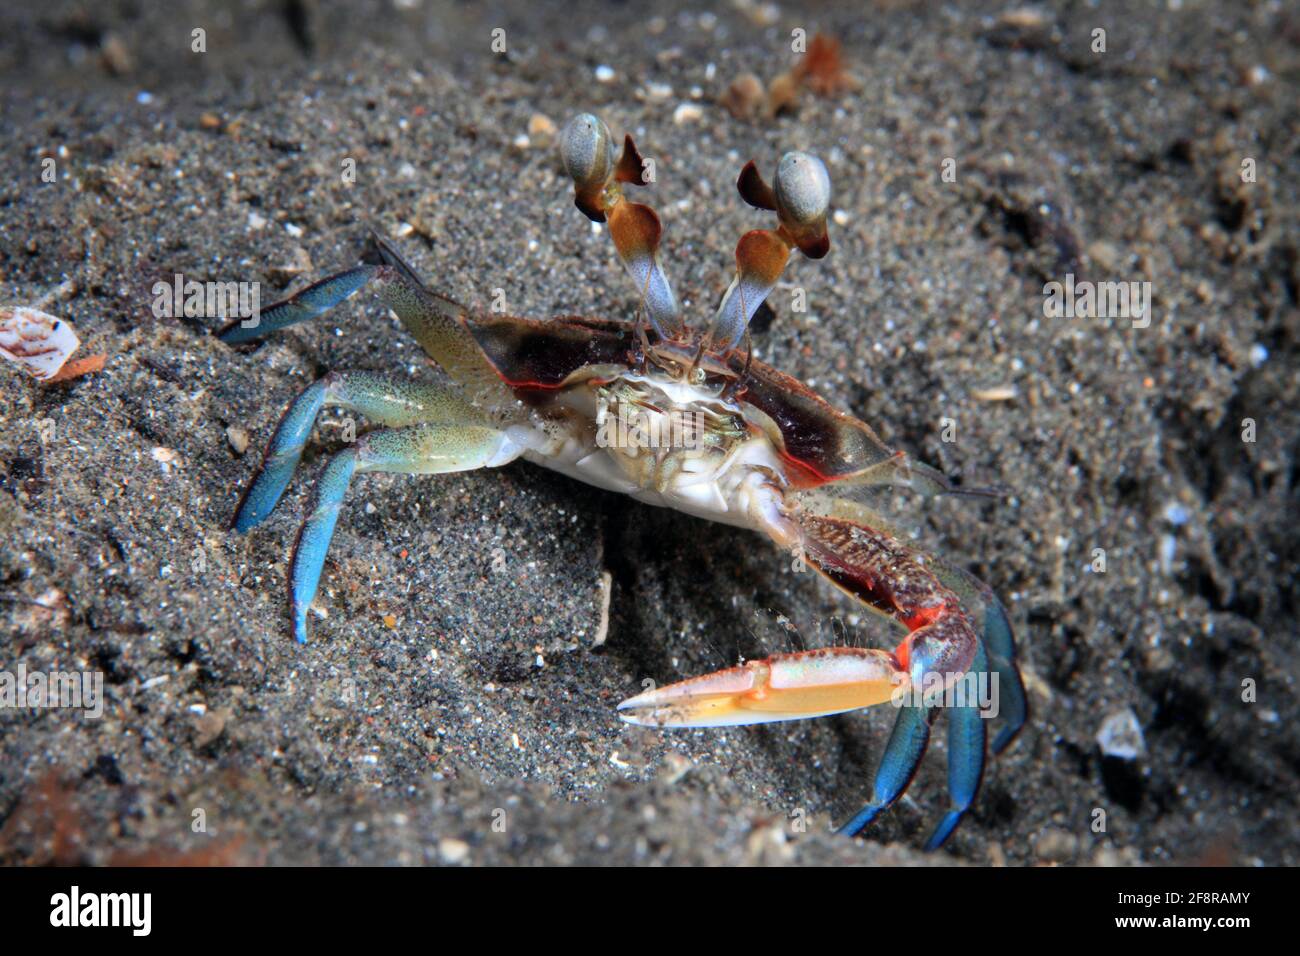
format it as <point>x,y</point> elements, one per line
<point>1120,735</point>
<point>40,343</point>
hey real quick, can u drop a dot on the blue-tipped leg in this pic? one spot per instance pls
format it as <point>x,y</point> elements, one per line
<point>282,457</point>
<point>314,538</point>
<point>387,401</point>
<point>299,307</point>
<point>1000,643</point>
<point>1013,706</point>
<point>965,755</point>
<point>426,448</point>
<point>903,753</point>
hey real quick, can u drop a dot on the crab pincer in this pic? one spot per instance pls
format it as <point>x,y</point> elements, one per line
<point>782,687</point>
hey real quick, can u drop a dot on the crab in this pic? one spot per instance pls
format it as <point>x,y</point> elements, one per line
<point>682,416</point>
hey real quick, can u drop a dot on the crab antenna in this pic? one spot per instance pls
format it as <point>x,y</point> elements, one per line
<point>587,150</point>
<point>800,200</point>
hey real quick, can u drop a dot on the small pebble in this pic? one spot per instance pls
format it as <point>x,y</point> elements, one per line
<point>1120,735</point>
<point>209,727</point>
<point>1056,846</point>
<point>995,393</point>
<point>453,851</point>
<point>238,439</point>
<point>744,96</point>
<point>658,92</point>
<point>687,113</point>
<point>541,128</point>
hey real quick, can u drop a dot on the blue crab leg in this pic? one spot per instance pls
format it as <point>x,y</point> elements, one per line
<point>999,643</point>
<point>437,322</point>
<point>965,758</point>
<point>303,305</point>
<point>903,753</point>
<point>1001,646</point>
<point>384,400</point>
<point>420,449</point>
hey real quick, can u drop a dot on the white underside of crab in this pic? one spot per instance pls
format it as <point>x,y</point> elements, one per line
<point>736,484</point>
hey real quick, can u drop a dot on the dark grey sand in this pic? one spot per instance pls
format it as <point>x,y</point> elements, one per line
<point>482,699</point>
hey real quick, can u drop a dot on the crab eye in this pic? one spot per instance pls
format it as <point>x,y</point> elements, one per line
<point>587,150</point>
<point>803,189</point>
<point>697,376</point>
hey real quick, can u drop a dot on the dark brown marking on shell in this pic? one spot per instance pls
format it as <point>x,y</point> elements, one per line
<point>827,444</point>
<point>532,355</point>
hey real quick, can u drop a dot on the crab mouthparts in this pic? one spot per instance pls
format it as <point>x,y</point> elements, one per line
<point>783,687</point>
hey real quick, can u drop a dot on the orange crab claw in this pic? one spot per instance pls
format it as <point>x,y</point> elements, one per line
<point>781,687</point>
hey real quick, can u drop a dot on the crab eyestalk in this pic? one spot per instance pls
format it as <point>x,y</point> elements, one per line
<point>800,200</point>
<point>587,151</point>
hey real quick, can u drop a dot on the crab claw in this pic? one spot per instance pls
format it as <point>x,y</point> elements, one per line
<point>781,687</point>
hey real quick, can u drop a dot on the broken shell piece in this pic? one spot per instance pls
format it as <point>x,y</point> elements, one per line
<point>38,342</point>
<point>1120,735</point>
<point>77,368</point>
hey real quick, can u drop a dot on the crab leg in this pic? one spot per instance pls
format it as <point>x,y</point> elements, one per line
<point>965,760</point>
<point>999,644</point>
<point>387,401</point>
<point>303,305</point>
<point>903,753</point>
<point>420,449</point>
<point>436,321</point>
